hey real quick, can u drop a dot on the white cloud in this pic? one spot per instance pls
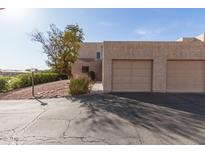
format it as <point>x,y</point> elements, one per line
<point>142,32</point>
<point>149,31</point>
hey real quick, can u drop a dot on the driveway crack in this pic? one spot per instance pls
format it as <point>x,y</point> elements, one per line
<point>68,125</point>
<point>32,121</point>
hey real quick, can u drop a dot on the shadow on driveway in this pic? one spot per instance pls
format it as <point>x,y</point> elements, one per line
<point>188,102</point>
<point>169,116</point>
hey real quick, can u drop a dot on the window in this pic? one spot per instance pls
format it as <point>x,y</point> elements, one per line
<point>85,69</point>
<point>97,55</point>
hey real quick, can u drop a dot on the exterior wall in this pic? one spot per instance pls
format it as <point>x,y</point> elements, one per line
<point>201,37</point>
<point>188,39</point>
<point>89,49</point>
<point>159,52</point>
<point>95,66</point>
<point>87,57</point>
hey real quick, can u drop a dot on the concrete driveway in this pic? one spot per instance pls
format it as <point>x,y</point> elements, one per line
<point>123,118</point>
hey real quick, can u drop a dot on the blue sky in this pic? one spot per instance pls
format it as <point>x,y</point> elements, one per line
<point>18,52</point>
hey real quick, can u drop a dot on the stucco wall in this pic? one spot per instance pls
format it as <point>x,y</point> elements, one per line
<point>89,49</point>
<point>95,66</point>
<point>87,57</point>
<point>201,37</point>
<point>159,52</point>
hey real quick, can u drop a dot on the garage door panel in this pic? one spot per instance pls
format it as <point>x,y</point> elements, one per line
<point>131,75</point>
<point>141,72</point>
<point>183,63</point>
<point>185,76</point>
<point>185,89</point>
<point>121,72</point>
<point>179,83</point>
<point>140,88</point>
<point>121,79</point>
<point>121,65</point>
<point>141,65</point>
<point>121,87</point>
<point>182,74</point>
<point>183,71</point>
<point>141,80</point>
<point>181,78</point>
<point>131,88</point>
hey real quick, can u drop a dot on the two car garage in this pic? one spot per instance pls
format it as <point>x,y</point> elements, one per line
<point>136,75</point>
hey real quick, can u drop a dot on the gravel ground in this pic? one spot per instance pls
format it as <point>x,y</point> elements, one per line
<point>47,90</point>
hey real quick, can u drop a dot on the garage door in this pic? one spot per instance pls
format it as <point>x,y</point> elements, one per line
<point>185,76</point>
<point>131,75</point>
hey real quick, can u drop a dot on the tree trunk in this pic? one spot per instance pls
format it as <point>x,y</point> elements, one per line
<point>70,75</point>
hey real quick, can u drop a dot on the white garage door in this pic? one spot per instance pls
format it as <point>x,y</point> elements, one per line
<point>185,76</point>
<point>131,75</point>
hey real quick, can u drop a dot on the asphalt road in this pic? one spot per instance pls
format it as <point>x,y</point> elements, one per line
<point>122,118</point>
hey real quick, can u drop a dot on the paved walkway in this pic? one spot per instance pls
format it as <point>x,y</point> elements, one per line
<point>97,88</point>
<point>139,118</point>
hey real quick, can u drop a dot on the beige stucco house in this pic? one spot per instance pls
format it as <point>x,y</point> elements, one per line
<point>89,59</point>
<point>147,66</point>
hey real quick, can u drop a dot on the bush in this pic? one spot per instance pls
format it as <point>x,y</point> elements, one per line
<point>79,85</point>
<point>45,77</point>
<point>91,74</point>
<point>3,83</point>
<point>24,80</point>
<point>15,83</point>
<point>61,76</point>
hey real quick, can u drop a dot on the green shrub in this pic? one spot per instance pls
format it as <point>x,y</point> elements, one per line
<point>24,80</point>
<point>47,71</point>
<point>79,85</point>
<point>3,83</point>
<point>45,77</point>
<point>61,76</point>
<point>14,83</point>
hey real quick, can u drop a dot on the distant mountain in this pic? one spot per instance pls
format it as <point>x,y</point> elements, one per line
<point>11,70</point>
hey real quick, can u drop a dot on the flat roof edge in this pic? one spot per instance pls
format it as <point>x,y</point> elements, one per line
<point>144,41</point>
